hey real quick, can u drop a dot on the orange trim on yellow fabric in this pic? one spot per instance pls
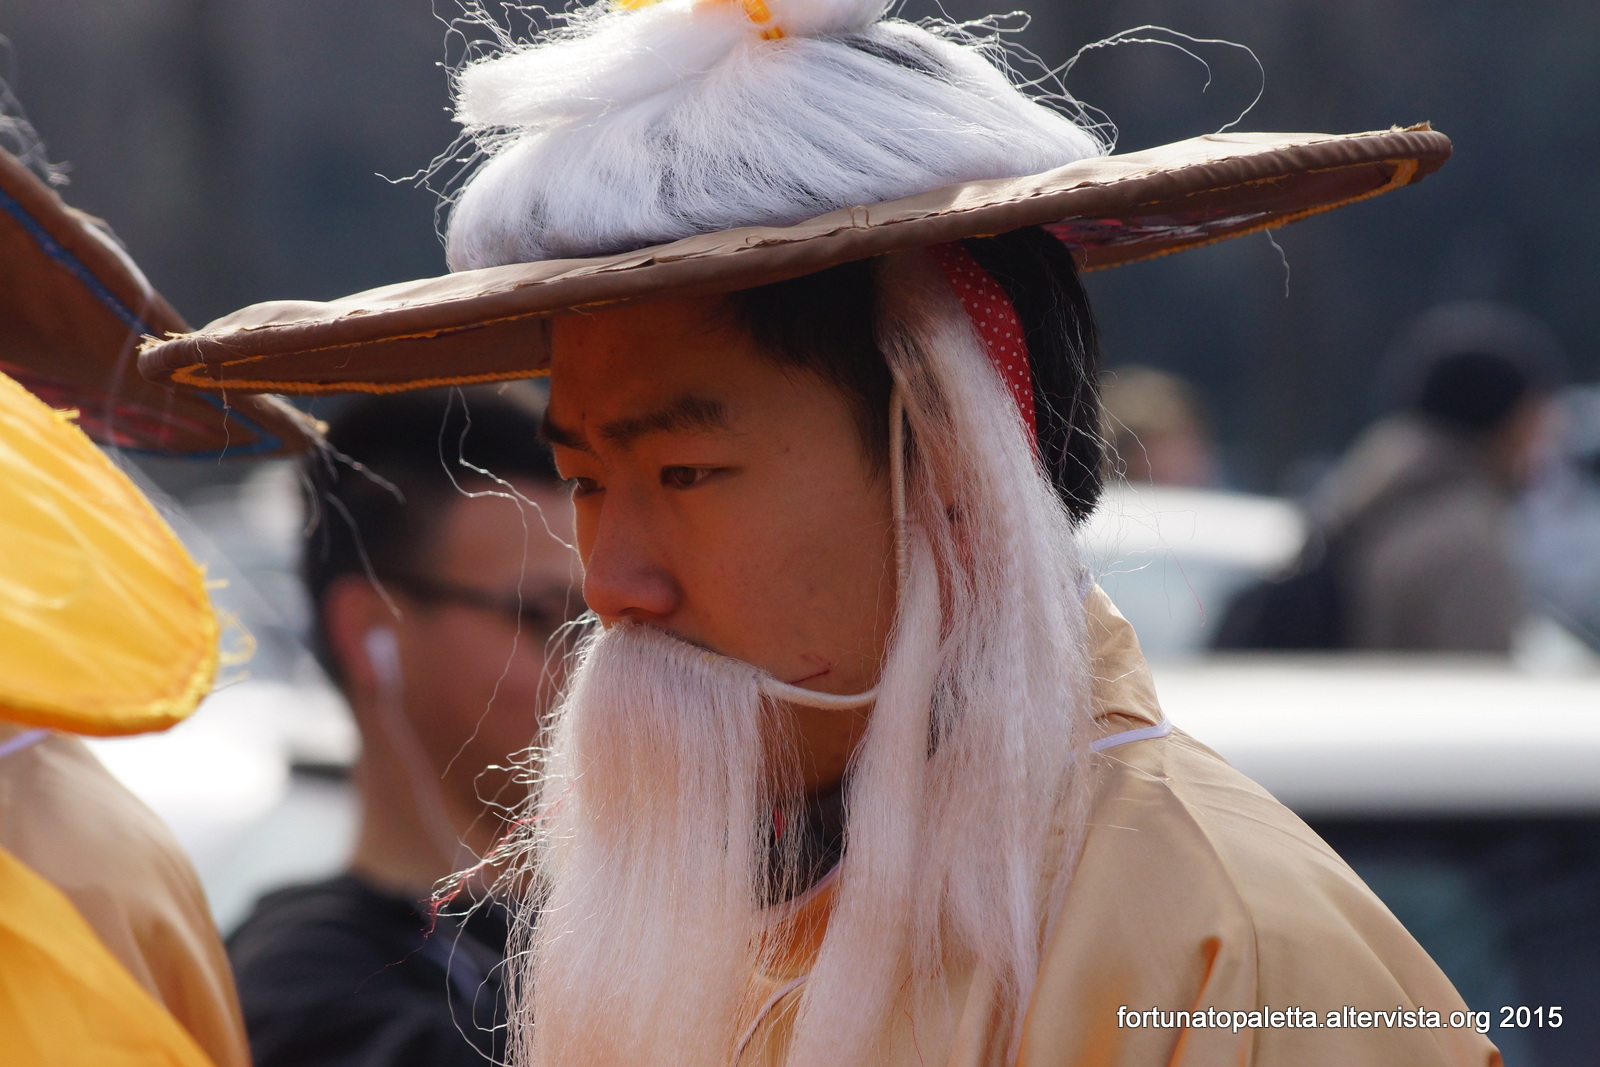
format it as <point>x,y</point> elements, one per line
<point>127,564</point>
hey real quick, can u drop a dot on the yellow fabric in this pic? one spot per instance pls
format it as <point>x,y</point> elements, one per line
<point>74,825</point>
<point>105,626</point>
<point>64,1000</point>
<point>1194,889</point>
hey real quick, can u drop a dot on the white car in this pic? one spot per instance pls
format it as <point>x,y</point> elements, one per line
<point>1341,733</point>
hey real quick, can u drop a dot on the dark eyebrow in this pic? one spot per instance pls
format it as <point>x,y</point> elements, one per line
<point>687,414</point>
<point>554,433</point>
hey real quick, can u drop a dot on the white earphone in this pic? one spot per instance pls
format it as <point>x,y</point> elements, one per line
<point>382,646</point>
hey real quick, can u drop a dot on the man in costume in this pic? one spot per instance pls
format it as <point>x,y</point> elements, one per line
<point>858,766</point>
<point>108,955</point>
<point>437,594</point>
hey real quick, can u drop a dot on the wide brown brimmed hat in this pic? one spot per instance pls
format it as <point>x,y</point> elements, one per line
<point>73,309</point>
<point>492,324</point>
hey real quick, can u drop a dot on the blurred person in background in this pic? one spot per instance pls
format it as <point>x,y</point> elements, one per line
<point>1421,505</point>
<point>1412,546</point>
<point>437,591</point>
<point>1158,429</point>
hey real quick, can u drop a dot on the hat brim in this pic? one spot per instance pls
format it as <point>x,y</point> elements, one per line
<point>73,310</point>
<point>491,324</point>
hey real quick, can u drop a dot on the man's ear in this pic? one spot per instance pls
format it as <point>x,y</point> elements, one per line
<point>351,609</point>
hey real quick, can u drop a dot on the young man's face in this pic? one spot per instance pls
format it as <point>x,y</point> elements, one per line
<point>475,674</point>
<point>726,501</point>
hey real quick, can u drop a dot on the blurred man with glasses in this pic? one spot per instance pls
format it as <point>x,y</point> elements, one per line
<point>438,565</point>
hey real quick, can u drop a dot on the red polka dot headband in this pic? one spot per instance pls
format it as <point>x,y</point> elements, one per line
<point>995,318</point>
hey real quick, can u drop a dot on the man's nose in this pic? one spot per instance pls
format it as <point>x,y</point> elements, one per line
<point>626,576</point>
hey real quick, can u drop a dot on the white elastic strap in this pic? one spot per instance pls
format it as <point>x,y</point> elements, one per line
<point>897,485</point>
<point>26,739</point>
<point>794,694</point>
<point>810,698</point>
<point>766,1008</point>
<point>1143,733</point>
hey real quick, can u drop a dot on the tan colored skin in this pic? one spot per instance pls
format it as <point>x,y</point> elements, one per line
<point>764,535</point>
<point>1510,449</point>
<point>454,659</point>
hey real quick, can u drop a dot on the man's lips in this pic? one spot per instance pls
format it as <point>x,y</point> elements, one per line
<point>810,677</point>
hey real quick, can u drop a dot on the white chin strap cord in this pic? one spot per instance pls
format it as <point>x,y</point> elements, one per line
<point>794,694</point>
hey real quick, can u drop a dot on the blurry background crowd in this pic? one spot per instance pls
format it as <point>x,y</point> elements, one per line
<point>1263,395</point>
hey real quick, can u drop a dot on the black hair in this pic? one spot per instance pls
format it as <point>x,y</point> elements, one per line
<point>1475,392</point>
<point>824,322</point>
<point>1468,366</point>
<point>377,497</point>
<point>1040,276</point>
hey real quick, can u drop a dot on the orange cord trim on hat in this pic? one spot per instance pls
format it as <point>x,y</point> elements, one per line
<point>1404,171</point>
<point>187,376</point>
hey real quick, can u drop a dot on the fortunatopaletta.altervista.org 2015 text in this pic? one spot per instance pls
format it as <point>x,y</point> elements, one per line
<point>1346,1017</point>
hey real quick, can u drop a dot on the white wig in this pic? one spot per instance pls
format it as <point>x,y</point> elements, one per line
<point>635,127</point>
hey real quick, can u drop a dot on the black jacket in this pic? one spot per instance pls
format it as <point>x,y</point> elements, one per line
<point>341,974</point>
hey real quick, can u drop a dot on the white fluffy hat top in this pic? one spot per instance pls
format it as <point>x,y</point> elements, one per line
<point>643,122</point>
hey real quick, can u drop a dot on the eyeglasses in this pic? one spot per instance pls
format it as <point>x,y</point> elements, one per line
<point>544,612</point>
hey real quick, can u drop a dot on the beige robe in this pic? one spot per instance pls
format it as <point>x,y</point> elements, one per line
<point>65,817</point>
<point>1195,889</point>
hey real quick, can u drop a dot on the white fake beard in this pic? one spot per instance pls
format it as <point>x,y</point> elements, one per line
<point>667,766</point>
<point>965,800</point>
<point>652,823</point>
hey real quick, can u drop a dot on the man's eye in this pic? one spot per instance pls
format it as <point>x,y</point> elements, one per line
<point>685,477</point>
<point>581,487</point>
